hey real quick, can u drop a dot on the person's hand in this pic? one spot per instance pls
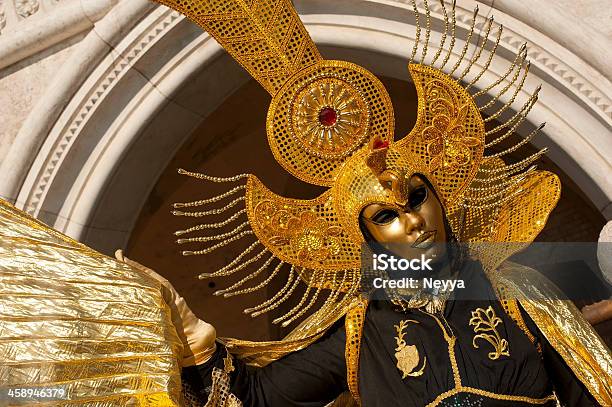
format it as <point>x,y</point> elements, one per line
<point>599,312</point>
<point>198,337</point>
<point>602,311</point>
<point>604,251</point>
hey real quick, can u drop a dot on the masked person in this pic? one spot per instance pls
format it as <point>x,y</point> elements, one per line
<point>507,338</point>
<point>409,348</point>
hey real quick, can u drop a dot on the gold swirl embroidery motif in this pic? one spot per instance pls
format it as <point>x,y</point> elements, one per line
<point>447,144</point>
<point>485,325</point>
<point>308,234</point>
<point>228,363</point>
<point>407,355</point>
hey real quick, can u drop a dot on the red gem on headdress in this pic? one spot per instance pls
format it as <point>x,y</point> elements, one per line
<point>328,116</point>
<point>380,143</point>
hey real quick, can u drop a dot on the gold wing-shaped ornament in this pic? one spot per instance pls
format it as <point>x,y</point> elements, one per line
<point>503,206</point>
<point>563,325</point>
<point>77,327</point>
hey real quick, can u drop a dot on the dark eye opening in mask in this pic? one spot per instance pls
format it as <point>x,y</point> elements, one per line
<point>385,216</point>
<point>417,197</point>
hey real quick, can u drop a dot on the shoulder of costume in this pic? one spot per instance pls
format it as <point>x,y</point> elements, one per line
<point>563,325</point>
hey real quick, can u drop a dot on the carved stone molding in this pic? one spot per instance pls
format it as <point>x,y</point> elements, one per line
<point>55,21</point>
<point>14,13</point>
<point>26,8</point>
<point>2,16</point>
<point>98,89</point>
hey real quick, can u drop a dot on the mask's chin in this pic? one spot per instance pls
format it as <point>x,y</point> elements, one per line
<point>436,253</point>
<point>439,263</point>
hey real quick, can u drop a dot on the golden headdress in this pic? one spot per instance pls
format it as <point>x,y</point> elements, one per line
<point>331,123</point>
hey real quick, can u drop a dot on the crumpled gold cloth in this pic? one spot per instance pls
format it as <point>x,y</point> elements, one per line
<point>564,327</point>
<point>75,319</point>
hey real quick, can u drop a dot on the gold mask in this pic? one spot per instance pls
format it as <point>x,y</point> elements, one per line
<point>412,227</point>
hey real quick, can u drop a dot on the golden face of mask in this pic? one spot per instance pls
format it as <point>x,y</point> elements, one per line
<point>411,230</point>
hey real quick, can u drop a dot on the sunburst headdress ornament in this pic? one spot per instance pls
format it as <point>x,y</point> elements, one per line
<point>331,123</point>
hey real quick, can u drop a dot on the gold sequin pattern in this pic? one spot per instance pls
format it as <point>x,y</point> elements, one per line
<point>265,36</point>
<point>220,395</point>
<point>317,161</point>
<point>475,224</point>
<point>521,218</point>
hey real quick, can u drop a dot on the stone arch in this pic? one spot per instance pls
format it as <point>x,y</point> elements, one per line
<point>144,78</point>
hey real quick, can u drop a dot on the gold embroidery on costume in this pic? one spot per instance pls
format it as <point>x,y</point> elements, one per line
<point>496,396</point>
<point>309,235</point>
<point>450,340</point>
<point>407,355</point>
<point>220,395</point>
<point>353,324</point>
<point>486,322</point>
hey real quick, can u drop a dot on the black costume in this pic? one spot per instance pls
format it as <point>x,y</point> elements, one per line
<point>316,375</point>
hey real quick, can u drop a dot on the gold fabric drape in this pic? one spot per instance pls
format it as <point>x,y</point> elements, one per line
<point>74,319</point>
<point>563,325</point>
